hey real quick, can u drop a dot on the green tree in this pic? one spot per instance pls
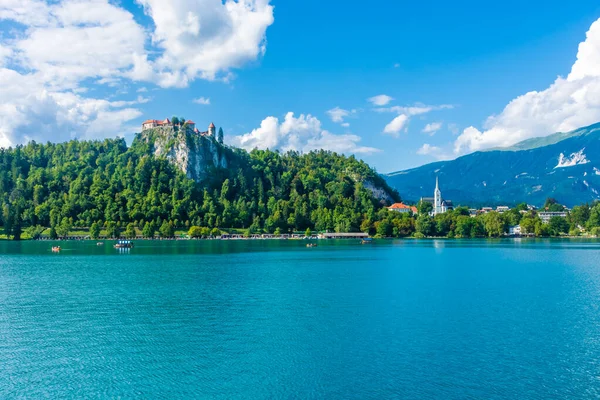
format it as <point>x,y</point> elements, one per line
<point>64,228</point>
<point>167,230</point>
<point>130,231</point>
<point>148,231</point>
<point>220,136</point>
<point>34,232</point>
<point>215,232</point>
<point>95,231</point>
<point>424,207</point>
<point>558,225</point>
<point>494,224</point>
<point>425,225</point>
<point>195,232</point>
<point>53,235</point>
<point>112,230</point>
<point>542,230</point>
<point>308,232</point>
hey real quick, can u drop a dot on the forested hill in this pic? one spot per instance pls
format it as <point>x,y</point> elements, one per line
<point>105,183</point>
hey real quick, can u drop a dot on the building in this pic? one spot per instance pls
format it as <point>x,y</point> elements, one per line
<point>514,230</point>
<point>403,208</point>
<point>334,235</point>
<point>485,210</point>
<point>502,209</point>
<point>154,123</point>
<point>546,215</point>
<point>440,205</point>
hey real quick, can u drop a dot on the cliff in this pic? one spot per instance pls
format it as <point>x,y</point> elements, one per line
<point>194,154</point>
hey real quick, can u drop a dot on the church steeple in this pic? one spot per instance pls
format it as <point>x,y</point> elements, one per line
<point>437,198</point>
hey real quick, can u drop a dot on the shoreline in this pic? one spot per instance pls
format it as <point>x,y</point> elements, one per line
<point>294,239</point>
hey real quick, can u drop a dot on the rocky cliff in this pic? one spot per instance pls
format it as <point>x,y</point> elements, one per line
<point>192,153</point>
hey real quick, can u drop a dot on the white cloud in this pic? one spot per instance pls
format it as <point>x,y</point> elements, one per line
<point>432,128</point>
<point>432,151</point>
<point>380,100</point>
<point>63,50</point>
<point>569,103</point>
<point>405,113</point>
<point>394,127</point>
<point>30,112</point>
<point>303,133</point>
<point>338,114</point>
<point>142,90</point>
<point>202,100</point>
<point>206,38</point>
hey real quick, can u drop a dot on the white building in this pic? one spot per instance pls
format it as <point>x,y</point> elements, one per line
<point>514,230</point>
<point>440,205</point>
<point>546,215</point>
<point>502,209</point>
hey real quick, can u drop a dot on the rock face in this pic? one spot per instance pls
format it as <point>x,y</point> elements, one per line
<point>192,153</point>
<point>565,166</point>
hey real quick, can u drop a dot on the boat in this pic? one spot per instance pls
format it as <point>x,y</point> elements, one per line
<point>100,244</point>
<point>124,244</point>
<point>366,241</point>
<point>311,245</point>
<point>56,249</point>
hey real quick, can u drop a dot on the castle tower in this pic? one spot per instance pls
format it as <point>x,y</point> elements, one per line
<point>437,198</point>
<point>212,130</point>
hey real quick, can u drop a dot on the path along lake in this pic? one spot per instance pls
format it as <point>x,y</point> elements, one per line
<point>443,319</point>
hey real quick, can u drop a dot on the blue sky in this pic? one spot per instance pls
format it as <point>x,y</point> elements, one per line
<point>299,74</point>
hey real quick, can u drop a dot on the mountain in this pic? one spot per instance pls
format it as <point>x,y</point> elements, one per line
<point>564,165</point>
<point>172,179</point>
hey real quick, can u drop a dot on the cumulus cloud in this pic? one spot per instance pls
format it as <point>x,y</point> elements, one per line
<point>394,127</point>
<point>567,104</point>
<point>405,113</point>
<point>205,101</point>
<point>303,133</point>
<point>60,51</point>
<point>380,100</point>
<point>206,38</point>
<point>432,128</point>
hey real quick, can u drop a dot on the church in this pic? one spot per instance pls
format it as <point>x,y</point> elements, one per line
<point>440,205</point>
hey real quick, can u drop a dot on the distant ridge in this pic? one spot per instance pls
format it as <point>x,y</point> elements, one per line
<point>564,165</point>
<point>534,143</point>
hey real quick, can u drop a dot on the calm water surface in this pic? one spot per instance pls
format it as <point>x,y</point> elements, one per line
<point>273,319</point>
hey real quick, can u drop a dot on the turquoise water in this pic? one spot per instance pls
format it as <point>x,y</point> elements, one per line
<point>273,319</point>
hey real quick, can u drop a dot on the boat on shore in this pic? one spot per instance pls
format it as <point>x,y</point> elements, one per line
<point>124,244</point>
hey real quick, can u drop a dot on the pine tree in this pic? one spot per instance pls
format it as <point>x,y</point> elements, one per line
<point>220,136</point>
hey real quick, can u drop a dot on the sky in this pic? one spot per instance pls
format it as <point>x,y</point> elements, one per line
<point>398,84</point>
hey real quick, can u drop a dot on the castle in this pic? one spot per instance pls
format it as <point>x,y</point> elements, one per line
<point>154,123</point>
<point>440,205</point>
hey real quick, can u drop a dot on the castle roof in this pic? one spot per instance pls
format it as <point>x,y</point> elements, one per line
<point>211,125</point>
<point>189,121</point>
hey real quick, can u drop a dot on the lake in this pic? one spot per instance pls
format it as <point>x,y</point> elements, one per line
<point>432,319</point>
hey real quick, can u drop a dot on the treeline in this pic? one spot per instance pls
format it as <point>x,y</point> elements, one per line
<point>104,185</point>
<point>460,224</point>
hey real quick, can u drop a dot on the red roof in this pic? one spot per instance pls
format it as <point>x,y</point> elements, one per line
<point>211,125</point>
<point>189,121</point>
<point>402,206</point>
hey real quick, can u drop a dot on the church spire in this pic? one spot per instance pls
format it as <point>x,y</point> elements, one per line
<point>437,186</point>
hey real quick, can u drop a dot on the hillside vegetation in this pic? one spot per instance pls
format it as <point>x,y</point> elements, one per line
<point>95,184</point>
